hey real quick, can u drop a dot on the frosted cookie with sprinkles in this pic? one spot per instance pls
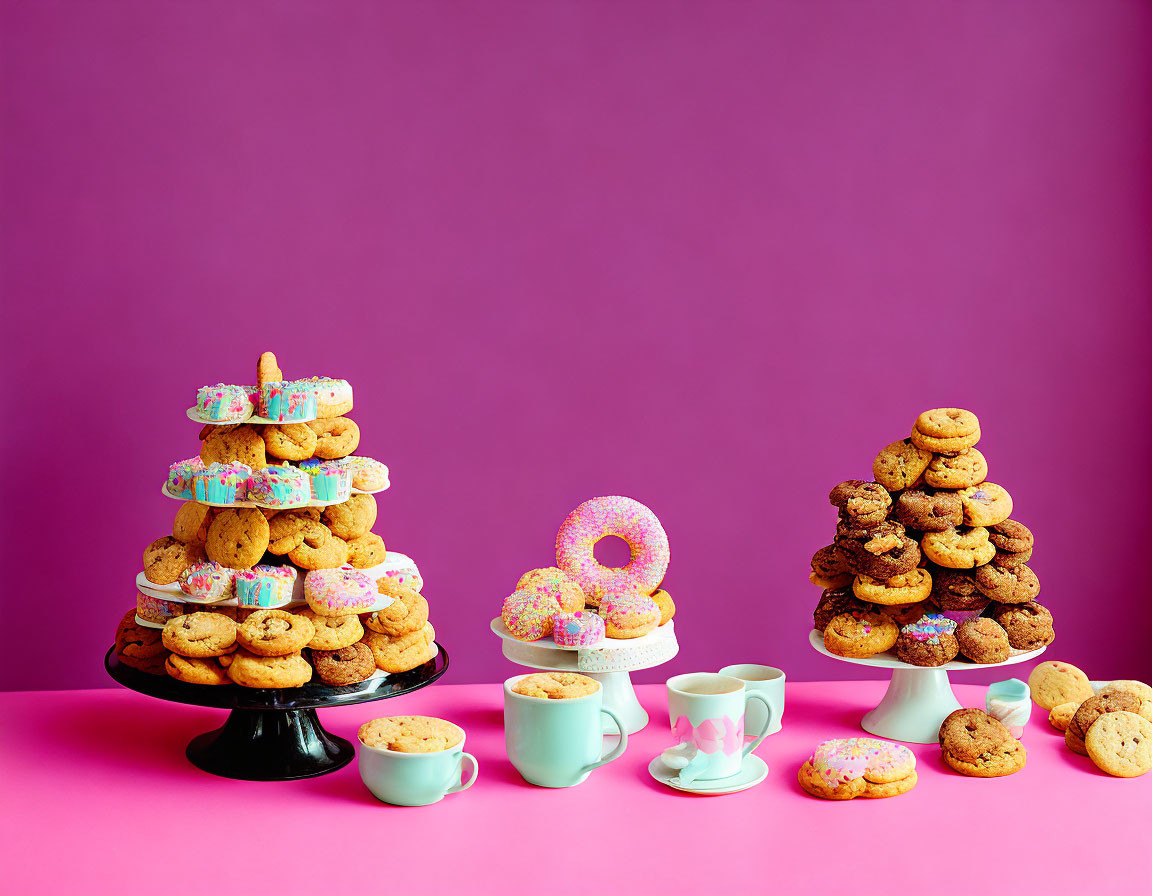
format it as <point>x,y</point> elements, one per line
<point>845,768</point>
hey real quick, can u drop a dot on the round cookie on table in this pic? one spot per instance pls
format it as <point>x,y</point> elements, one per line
<point>624,518</point>
<point>983,640</point>
<point>860,634</point>
<point>1088,712</point>
<point>1029,625</point>
<point>1137,689</point>
<point>555,583</point>
<point>339,592</point>
<point>528,614</point>
<point>628,614</point>
<point>930,641</point>
<point>845,768</point>
<point>223,403</point>
<point>900,465</point>
<point>1060,716</point>
<point>975,744</point>
<point>1120,744</point>
<point>584,628</point>
<point>946,430</point>
<point>1053,683</point>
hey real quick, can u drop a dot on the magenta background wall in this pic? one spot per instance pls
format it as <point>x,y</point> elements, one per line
<point>712,256</point>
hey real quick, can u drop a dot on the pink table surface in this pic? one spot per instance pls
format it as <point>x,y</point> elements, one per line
<point>97,796</point>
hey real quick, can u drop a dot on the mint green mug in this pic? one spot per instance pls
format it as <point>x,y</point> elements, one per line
<point>415,779</point>
<point>557,743</point>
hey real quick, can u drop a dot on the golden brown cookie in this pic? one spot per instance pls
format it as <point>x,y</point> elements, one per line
<point>286,531</point>
<point>906,589</point>
<point>401,653</point>
<point>237,538</point>
<point>1074,742</point>
<point>200,635</point>
<point>1060,717</point>
<point>138,642</point>
<point>899,466</point>
<point>1120,743</point>
<point>411,734</point>
<point>1094,707</point>
<point>956,471</point>
<point>336,437</point>
<point>946,430</point>
<point>813,785</point>
<point>408,612</point>
<point>166,558</point>
<point>289,441</point>
<point>974,743</point>
<point>860,634</point>
<point>275,633</point>
<point>191,523</point>
<point>332,632</point>
<point>556,685</point>
<point>1137,689</point>
<point>366,551</point>
<point>986,504</point>
<point>319,549</point>
<point>344,666</point>
<point>1007,585</point>
<point>241,445</point>
<point>958,548</point>
<point>196,670</point>
<point>252,671</point>
<point>353,518</point>
<point>1054,682</point>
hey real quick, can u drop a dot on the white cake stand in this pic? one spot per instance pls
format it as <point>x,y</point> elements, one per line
<point>918,698</point>
<point>609,662</point>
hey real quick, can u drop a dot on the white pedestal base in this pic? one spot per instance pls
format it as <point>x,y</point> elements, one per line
<point>916,703</point>
<point>620,697</point>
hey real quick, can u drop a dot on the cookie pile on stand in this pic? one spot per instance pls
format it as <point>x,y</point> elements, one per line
<point>272,576</point>
<point>1110,724</point>
<point>579,602</point>
<point>927,559</point>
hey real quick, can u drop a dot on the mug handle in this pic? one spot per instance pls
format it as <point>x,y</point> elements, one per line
<point>752,695</point>
<point>620,747</point>
<point>458,787</point>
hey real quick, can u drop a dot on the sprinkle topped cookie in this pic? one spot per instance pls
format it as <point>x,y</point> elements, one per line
<point>858,766</point>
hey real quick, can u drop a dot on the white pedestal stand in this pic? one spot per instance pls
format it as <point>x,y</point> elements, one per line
<point>918,698</point>
<point>609,662</point>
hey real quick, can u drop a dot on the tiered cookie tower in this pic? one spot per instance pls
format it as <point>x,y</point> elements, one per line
<point>275,494</point>
<point>927,558</point>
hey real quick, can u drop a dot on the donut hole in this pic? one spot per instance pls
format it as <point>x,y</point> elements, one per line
<point>612,551</point>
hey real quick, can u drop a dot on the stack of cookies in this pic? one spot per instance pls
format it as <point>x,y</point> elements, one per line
<point>927,559</point>
<point>225,599</point>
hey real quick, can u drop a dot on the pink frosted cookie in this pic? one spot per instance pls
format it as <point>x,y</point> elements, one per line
<point>339,592</point>
<point>557,584</point>
<point>579,629</point>
<point>207,582</point>
<point>858,766</point>
<point>401,570</point>
<point>628,614</point>
<point>528,614</point>
<point>625,518</point>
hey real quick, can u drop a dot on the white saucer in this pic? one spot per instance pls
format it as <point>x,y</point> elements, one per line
<point>752,772</point>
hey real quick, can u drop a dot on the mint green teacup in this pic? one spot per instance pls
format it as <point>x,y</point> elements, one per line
<point>415,779</point>
<point>557,743</point>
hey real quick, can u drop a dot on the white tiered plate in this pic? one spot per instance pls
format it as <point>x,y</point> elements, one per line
<point>255,418</point>
<point>918,698</point>
<point>609,662</point>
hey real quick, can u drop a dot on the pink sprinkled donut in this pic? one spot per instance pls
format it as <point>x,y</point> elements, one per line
<point>625,518</point>
<point>528,614</point>
<point>339,592</point>
<point>579,629</point>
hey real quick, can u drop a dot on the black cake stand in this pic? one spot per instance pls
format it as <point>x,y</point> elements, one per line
<point>273,734</point>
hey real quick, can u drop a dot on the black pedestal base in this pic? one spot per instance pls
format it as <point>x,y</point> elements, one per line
<point>270,745</point>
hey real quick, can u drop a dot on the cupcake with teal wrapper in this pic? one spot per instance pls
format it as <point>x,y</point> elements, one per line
<point>331,479</point>
<point>180,478</point>
<point>287,401</point>
<point>222,483</point>
<point>265,586</point>
<point>280,486</point>
<point>224,404</point>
